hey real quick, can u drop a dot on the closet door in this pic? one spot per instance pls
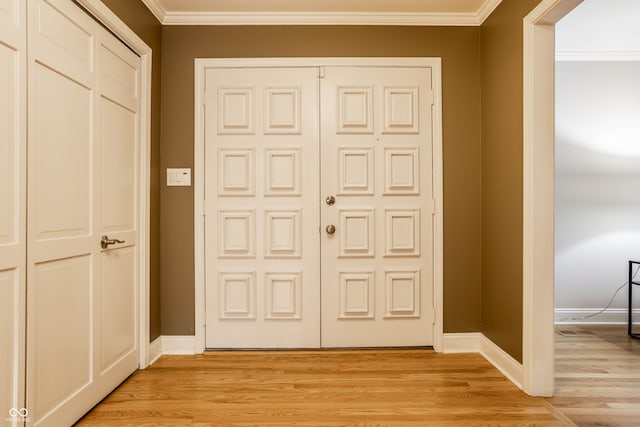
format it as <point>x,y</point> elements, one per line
<point>116,215</point>
<point>12,207</point>
<point>82,156</point>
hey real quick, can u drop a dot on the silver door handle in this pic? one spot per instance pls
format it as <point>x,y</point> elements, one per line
<point>331,229</point>
<point>106,241</point>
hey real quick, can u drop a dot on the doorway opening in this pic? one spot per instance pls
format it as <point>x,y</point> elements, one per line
<point>597,162</point>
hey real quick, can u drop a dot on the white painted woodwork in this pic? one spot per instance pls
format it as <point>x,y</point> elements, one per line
<point>82,337</point>
<point>538,195</point>
<point>355,169</point>
<point>377,269</point>
<point>118,77</point>
<point>262,212</point>
<point>13,72</point>
<point>261,236</point>
<point>403,171</point>
<point>327,12</point>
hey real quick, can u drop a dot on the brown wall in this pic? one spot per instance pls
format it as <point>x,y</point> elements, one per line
<point>459,49</point>
<point>136,15</point>
<point>502,87</point>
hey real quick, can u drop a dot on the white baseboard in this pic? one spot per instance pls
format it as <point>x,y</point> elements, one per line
<point>171,344</point>
<point>462,343</point>
<point>155,350</point>
<point>178,344</point>
<point>502,360</point>
<point>477,342</point>
<point>572,316</point>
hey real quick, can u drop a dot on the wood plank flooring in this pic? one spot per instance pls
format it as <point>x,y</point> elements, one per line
<point>597,375</point>
<point>321,388</point>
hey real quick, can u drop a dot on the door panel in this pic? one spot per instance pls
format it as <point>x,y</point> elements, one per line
<point>262,213</point>
<point>62,156</point>
<point>118,204</point>
<point>62,330</point>
<point>10,13</point>
<point>377,267</point>
<point>12,204</point>
<point>63,39</point>
<point>118,338</point>
<point>9,148</point>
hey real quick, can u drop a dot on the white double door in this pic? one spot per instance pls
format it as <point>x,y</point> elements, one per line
<point>83,120</point>
<point>318,199</point>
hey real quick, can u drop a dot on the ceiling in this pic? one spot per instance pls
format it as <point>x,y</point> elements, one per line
<point>317,12</point>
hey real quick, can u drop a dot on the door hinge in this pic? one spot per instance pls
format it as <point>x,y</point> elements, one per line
<point>430,97</point>
<point>433,206</point>
<point>321,72</point>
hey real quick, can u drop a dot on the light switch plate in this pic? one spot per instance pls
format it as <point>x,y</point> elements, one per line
<point>178,177</point>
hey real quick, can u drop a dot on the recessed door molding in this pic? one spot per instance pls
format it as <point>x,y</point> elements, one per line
<point>352,124</point>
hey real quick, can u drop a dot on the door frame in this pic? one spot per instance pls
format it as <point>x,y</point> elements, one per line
<point>113,23</point>
<point>202,64</point>
<point>538,195</point>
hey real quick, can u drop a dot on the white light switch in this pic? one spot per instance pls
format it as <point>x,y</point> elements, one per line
<point>178,177</point>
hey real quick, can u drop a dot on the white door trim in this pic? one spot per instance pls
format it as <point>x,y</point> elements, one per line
<point>199,167</point>
<point>114,24</point>
<point>538,195</point>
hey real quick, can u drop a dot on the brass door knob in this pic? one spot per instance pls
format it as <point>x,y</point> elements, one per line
<point>331,229</point>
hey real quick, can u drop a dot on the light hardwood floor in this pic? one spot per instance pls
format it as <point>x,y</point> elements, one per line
<point>321,388</point>
<point>597,375</point>
<point>597,384</point>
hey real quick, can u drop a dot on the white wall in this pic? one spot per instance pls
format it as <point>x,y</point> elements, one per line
<point>597,157</point>
<point>597,185</point>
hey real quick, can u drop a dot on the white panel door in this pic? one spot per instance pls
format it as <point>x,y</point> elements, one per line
<point>62,250</point>
<point>377,260</point>
<point>262,209</point>
<point>82,111</point>
<point>117,146</point>
<point>13,73</point>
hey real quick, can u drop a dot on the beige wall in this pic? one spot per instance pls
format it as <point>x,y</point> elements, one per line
<point>502,129</point>
<point>460,52</point>
<point>136,15</point>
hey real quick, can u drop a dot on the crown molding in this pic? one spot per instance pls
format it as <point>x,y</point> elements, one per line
<point>317,18</point>
<point>487,9</point>
<point>321,18</point>
<point>157,9</point>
